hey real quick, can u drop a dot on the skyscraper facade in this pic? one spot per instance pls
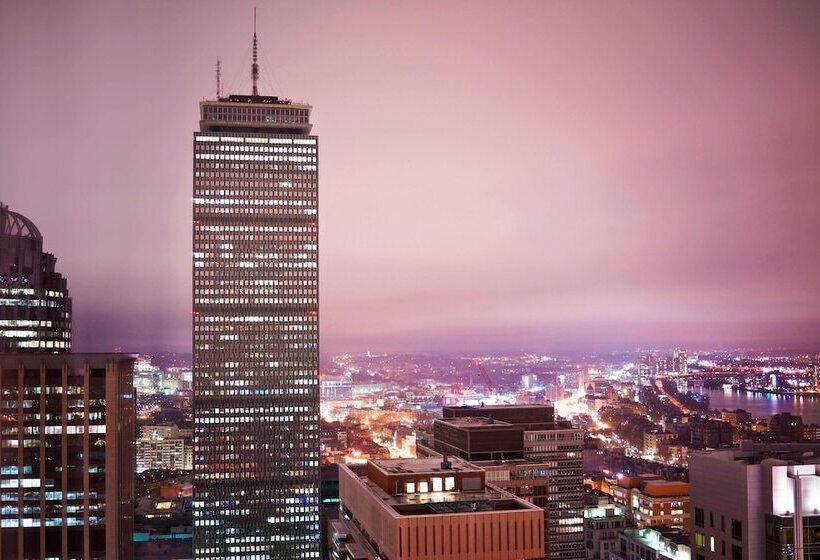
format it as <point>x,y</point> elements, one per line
<point>529,453</point>
<point>256,337</point>
<point>35,310</point>
<point>759,501</point>
<point>66,456</point>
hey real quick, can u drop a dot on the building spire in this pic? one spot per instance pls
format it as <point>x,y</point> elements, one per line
<point>255,65</point>
<point>218,79</point>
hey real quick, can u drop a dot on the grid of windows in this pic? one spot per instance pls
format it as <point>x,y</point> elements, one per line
<point>35,309</point>
<point>237,112</point>
<point>561,451</point>
<point>255,303</point>
<point>65,425</point>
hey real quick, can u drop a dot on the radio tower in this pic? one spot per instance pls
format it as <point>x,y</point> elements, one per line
<point>255,65</point>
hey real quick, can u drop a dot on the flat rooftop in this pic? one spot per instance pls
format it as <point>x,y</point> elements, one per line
<point>672,535</point>
<point>470,421</point>
<point>754,453</point>
<point>509,463</point>
<point>540,416</point>
<point>422,465</point>
<point>534,406</point>
<point>487,499</point>
<point>665,489</point>
<point>441,503</point>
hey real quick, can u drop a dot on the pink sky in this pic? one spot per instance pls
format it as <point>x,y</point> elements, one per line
<point>494,176</point>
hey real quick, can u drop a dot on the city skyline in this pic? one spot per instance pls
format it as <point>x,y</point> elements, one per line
<point>559,178</point>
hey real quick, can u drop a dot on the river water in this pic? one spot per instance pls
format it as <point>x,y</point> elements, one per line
<point>763,405</point>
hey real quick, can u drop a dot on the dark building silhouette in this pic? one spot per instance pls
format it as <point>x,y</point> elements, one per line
<point>786,427</point>
<point>712,434</point>
<point>35,310</point>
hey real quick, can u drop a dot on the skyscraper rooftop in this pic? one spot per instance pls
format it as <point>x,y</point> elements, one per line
<point>35,310</point>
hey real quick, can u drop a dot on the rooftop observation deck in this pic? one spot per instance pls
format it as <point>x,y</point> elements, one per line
<point>254,113</point>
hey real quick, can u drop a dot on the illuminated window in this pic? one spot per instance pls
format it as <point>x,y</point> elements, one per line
<point>424,486</point>
<point>410,487</point>
<point>449,483</point>
<point>438,484</point>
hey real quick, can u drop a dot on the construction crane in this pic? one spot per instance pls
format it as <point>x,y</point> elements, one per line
<point>479,365</point>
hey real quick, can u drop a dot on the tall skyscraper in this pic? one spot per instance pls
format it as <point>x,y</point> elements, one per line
<point>35,310</point>
<point>256,329</point>
<point>66,421</point>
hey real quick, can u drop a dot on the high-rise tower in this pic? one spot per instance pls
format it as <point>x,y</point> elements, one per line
<point>256,329</point>
<point>35,310</point>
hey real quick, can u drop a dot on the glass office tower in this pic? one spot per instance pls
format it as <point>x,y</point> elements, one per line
<point>256,330</point>
<point>35,310</point>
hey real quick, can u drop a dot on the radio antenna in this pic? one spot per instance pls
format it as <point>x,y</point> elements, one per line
<point>218,79</point>
<point>255,65</point>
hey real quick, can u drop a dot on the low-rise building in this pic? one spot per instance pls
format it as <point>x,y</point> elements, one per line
<point>674,452</point>
<point>653,543</point>
<point>786,427</point>
<point>737,417</point>
<point>433,508</point>
<point>602,524</point>
<point>650,500</point>
<point>622,487</point>
<point>172,454</point>
<point>710,434</point>
<point>811,432</point>
<point>661,502</point>
<point>165,431</point>
<point>653,440</point>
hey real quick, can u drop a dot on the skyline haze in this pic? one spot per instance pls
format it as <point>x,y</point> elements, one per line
<point>549,177</point>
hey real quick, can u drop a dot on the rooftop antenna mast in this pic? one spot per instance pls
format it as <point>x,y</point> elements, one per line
<point>255,65</point>
<point>218,79</point>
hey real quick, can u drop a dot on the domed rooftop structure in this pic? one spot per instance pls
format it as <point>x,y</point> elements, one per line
<point>17,225</point>
<point>35,308</point>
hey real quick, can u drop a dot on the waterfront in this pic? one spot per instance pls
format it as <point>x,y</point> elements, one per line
<point>764,405</point>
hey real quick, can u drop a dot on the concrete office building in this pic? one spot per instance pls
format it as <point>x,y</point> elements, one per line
<point>419,509</point>
<point>479,439</point>
<point>67,456</point>
<point>661,502</point>
<point>530,433</point>
<point>760,501</point>
<point>652,441</point>
<point>652,543</point>
<point>650,500</point>
<point>256,329</point>
<point>526,479</point>
<point>163,453</point>
<point>602,525</point>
